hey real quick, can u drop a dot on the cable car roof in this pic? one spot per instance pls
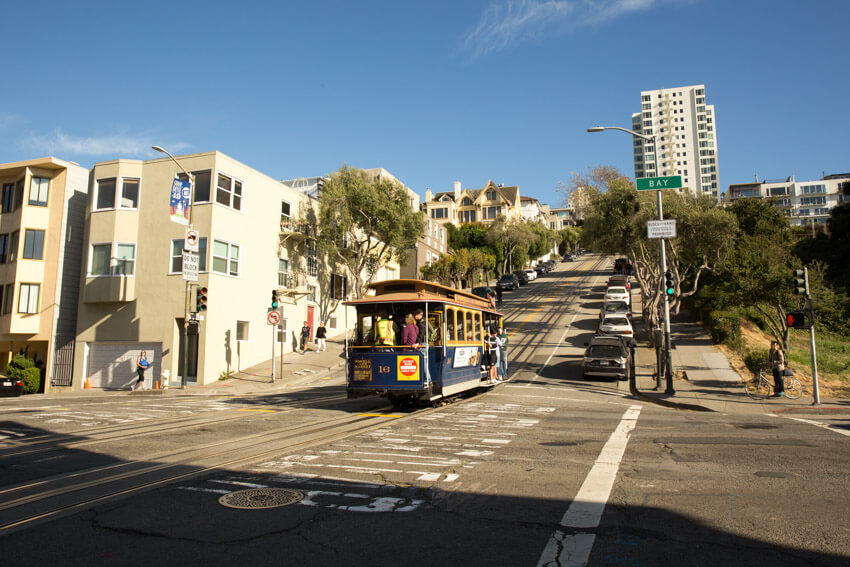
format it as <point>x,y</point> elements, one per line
<point>417,291</point>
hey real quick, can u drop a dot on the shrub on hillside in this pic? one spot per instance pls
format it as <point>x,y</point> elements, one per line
<point>24,368</point>
<point>757,359</point>
<point>725,327</point>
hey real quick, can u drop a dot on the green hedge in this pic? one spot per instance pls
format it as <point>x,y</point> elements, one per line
<point>725,327</point>
<point>24,368</point>
<point>757,359</point>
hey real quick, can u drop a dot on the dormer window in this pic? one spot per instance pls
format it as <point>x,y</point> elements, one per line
<point>467,202</point>
<point>491,195</point>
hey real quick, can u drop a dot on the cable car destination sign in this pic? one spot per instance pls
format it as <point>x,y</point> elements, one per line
<point>654,183</point>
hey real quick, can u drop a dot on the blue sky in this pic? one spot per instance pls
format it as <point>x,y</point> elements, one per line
<point>432,91</point>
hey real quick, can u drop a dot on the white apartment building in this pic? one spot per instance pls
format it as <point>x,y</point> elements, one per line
<point>805,203</point>
<point>684,127</point>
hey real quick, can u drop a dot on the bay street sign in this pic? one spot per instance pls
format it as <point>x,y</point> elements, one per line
<point>653,183</point>
<point>661,229</point>
<point>190,266</point>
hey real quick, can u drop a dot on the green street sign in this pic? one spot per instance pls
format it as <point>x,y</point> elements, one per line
<point>654,183</point>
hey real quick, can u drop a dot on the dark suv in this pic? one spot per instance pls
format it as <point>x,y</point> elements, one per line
<point>508,282</point>
<point>521,276</point>
<point>607,356</point>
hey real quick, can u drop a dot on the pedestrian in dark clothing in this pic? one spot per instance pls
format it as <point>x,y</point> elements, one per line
<point>305,336</point>
<point>422,339</point>
<point>321,337</point>
<point>498,296</point>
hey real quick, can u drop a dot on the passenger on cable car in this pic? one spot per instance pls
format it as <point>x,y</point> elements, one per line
<point>384,332</point>
<point>410,331</point>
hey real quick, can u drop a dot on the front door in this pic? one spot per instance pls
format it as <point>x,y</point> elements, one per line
<point>311,314</point>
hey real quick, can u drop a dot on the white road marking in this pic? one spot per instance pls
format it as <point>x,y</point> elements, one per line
<point>823,425</point>
<point>573,549</point>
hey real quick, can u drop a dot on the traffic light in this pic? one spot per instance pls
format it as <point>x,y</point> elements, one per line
<point>201,300</point>
<point>669,290</point>
<point>274,299</point>
<point>796,319</point>
<point>801,282</point>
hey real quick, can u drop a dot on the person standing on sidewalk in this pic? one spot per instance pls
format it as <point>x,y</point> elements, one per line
<point>321,337</point>
<point>777,365</point>
<point>305,337</point>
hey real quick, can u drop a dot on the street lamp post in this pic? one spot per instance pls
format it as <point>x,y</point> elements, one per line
<point>668,373</point>
<point>188,285</point>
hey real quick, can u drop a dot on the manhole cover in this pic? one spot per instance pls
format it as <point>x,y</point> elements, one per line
<point>255,498</point>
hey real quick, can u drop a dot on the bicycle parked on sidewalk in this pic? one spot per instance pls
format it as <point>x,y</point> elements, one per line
<point>760,387</point>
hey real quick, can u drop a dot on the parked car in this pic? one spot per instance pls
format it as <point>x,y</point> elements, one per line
<point>508,282</point>
<point>619,279</point>
<point>551,264</point>
<point>522,277</point>
<point>618,293</point>
<point>615,308</point>
<point>11,386</point>
<point>607,356</point>
<point>532,275</point>
<point>568,258</point>
<point>541,269</point>
<point>482,291</point>
<point>616,324</point>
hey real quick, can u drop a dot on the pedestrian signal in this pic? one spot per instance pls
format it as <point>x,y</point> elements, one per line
<point>796,319</point>
<point>201,300</point>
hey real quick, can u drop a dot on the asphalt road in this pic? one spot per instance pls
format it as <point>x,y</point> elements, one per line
<point>547,469</point>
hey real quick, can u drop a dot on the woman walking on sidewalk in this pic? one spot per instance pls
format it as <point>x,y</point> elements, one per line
<point>321,337</point>
<point>777,365</point>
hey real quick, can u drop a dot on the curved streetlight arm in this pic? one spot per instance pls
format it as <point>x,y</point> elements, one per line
<point>166,152</point>
<point>626,130</point>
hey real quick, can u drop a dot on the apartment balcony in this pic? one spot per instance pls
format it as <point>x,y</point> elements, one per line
<point>294,230</point>
<point>109,289</point>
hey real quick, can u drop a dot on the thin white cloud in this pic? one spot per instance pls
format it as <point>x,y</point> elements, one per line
<point>514,21</point>
<point>58,143</point>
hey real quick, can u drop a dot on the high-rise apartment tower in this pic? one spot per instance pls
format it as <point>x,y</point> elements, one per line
<point>686,138</point>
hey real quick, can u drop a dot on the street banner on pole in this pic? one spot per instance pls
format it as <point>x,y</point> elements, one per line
<point>179,206</point>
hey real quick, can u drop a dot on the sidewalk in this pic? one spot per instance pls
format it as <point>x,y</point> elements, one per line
<point>709,383</point>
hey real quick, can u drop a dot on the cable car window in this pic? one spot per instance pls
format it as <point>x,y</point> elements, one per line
<point>477,327</point>
<point>365,329</point>
<point>450,325</point>
<point>435,328</point>
<point>470,328</point>
<point>461,325</point>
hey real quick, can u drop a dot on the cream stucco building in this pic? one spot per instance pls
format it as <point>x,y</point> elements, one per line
<point>133,294</point>
<point>42,220</point>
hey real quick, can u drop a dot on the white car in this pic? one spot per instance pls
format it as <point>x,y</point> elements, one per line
<point>616,325</point>
<point>532,275</point>
<point>618,293</point>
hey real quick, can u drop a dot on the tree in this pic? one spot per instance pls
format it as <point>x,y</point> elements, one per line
<point>514,238</point>
<point>568,238</point>
<point>363,224</point>
<point>448,269</point>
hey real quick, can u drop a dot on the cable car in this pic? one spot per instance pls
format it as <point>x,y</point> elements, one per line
<point>448,363</point>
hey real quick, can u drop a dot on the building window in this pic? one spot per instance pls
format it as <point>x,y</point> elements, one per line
<point>8,298</point>
<point>467,202</point>
<point>105,197</point>
<point>99,259</point>
<point>311,296</point>
<point>28,298</point>
<point>332,322</point>
<point>4,248</point>
<point>33,244</point>
<point>243,330</point>
<point>130,194</point>
<point>491,195</point>
<point>201,191</point>
<point>225,258</point>
<point>285,214</point>
<point>283,273</point>
<point>312,257</point>
<point>38,191</point>
<point>177,255</point>
<point>13,246</point>
<point>125,259</point>
<point>339,286</point>
<point>229,192</point>
<point>8,197</point>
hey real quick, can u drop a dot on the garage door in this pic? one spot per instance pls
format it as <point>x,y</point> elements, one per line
<point>113,365</point>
